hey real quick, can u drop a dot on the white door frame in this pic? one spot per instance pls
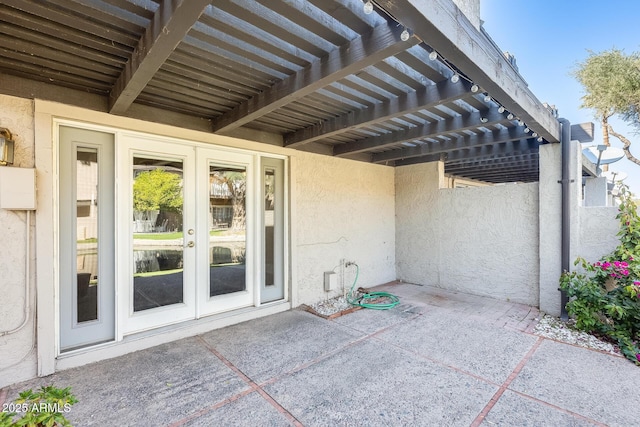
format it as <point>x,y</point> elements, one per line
<point>131,146</point>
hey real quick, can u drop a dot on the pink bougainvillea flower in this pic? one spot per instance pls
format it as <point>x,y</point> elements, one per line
<point>624,264</point>
<point>638,357</point>
<point>606,265</point>
<point>637,283</point>
<point>616,263</point>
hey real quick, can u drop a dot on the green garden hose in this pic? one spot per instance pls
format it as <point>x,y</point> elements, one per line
<point>390,300</point>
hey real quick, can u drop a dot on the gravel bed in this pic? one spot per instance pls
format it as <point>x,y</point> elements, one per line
<point>331,306</point>
<point>553,328</point>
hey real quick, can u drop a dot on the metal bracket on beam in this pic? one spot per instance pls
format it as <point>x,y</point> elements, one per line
<point>571,181</point>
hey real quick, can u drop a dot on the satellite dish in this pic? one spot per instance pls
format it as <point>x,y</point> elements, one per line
<point>615,176</point>
<point>609,155</point>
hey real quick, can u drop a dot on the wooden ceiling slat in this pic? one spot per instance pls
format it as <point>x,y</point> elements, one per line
<point>506,149</point>
<point>36,25</point>
<point>217,75</point>
<point>312,19</point>
<point>52,14</point>
<point>259,39</point>
<point>493,162</point>
<point>240,51</point>
<point>382,42</point>
<point>44,46</point>
<point>279,26</point>
<point>382,81</point>
<point>459,143</point>
<point>428,130</point>
<point>169,26</point>
<point>53,77</point>
<point>59,68</point>
<point>350,13</point>
<point>196,87</point>
<point>411,102</point>
<point>102,13</point>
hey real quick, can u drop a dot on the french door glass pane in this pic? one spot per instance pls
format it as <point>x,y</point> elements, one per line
<point>87,234</point>
<point>227,229</point>
<point>269,223</point>
<point>158,248</point>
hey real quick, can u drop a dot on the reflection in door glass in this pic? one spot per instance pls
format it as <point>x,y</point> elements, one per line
<point>157,233</point>
<point>269,222</point>
<point>87,234</point>
<point>227,229</point>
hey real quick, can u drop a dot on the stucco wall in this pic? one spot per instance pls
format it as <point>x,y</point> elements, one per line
<point>482,240</point>
<point>17,349</point>
<point>343,210</point>
<point>597,232</point>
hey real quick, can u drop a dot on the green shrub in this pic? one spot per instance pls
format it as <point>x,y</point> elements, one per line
<point>44,408</point>
<point>604,299</point>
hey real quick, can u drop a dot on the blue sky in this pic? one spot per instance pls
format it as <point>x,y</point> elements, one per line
<point>550,37</point>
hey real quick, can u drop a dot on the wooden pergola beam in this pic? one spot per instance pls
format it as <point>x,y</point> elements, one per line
<point>427,130</point>
<point>459,143</point>
<point>171,23</point>
<point>446,29</point>
<point>504,149</point>
<point>428,96</point>
<point>382,42</point>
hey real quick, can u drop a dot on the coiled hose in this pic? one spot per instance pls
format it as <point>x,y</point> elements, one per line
<point>389,300</point>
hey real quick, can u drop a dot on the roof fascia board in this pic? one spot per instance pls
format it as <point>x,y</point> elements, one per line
<point>441,25</point>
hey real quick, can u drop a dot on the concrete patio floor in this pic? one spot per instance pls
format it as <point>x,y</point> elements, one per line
<point>438,359</point>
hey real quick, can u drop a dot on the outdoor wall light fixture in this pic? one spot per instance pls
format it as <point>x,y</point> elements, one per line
<point>368,7</point>
<point>6,147</point>
<point>501,109</point>
<point>475,88</point>
<point>455,78</point>
<point>510,116</point>
<point>484,119</point>
<point>433,55</point>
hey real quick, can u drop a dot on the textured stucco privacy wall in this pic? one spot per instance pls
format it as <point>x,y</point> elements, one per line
<point>482,241</point>
<point>598,231</point>
<point>17,350</point>
<point>343,210</point>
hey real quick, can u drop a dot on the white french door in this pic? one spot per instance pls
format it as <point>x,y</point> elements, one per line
<point>227,224</point>
<point>164,232</point>
<point>189,251</point>
<point>156,251</point>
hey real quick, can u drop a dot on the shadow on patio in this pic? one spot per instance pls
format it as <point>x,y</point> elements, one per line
<point>439,358</point>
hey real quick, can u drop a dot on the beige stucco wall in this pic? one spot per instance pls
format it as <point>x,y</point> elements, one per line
<point>17,350</point>
<point>482,241</point>
<point>344,210</point>
<point>598,231</point>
